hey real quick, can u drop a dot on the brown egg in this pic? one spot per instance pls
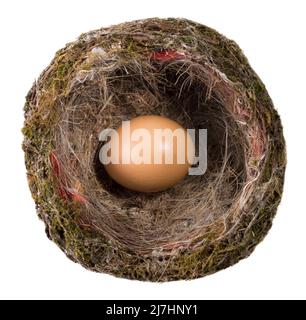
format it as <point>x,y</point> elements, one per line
<point>150,162</point>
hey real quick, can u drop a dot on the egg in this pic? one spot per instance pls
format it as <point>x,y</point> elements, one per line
<point>151,154</point>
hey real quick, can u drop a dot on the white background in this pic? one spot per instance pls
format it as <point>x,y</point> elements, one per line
<point>272,35</point>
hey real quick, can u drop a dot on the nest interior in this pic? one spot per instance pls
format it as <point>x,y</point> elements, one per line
<point>181,70</point>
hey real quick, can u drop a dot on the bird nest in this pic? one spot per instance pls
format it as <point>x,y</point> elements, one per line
<point>181,70</point>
